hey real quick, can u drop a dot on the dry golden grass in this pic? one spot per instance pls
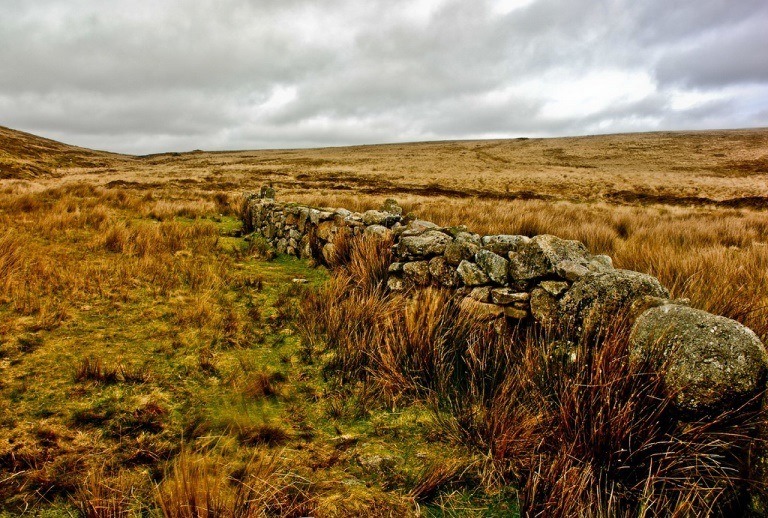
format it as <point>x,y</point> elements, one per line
<point>131,330</point>
<point>716,257</point>
<point>592,436</point>
<point>655,202</point>
<point>668,167</point>
<point>80,228</point>
<point>197,488</point>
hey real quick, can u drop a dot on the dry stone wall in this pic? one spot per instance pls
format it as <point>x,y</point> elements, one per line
<point>546,280</point>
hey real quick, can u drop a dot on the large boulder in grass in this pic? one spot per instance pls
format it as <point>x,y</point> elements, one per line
<point>597,298</point>
<point>707,362</point>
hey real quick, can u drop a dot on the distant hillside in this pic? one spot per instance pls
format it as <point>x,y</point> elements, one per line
<point>724,167</point>
<point>25,156</point>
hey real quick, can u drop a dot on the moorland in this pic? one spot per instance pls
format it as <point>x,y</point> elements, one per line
<point>154,360</point>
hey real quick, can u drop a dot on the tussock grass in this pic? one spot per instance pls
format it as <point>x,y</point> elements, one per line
<point>195,487</point>
<point>120,315</point>
<point>103,496</point>
<point>262,384</point>
<point>715,257</point>
<point>94,369</point>
<point>149,268</point>
<point>583,437</point>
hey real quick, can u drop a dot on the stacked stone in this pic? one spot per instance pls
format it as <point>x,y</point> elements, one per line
<point>554,282</point>
<point>499,276</point>
<point>309,232</point>
<point>545,278</point>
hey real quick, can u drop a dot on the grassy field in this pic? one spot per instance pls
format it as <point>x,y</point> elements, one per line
<point>148,359</point>
<point>150,356</point>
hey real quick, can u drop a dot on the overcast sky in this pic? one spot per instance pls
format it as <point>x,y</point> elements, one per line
<point>143,76</point>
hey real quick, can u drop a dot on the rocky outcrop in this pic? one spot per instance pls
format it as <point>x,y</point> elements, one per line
<point>544,280</point>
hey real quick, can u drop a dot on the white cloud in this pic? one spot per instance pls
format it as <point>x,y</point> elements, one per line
<point>682,100</point>
<point>502,7</point>
<point>571,95</point>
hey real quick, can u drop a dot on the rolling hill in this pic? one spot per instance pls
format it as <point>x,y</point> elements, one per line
<point>25,156</point>
<point>724,167</point>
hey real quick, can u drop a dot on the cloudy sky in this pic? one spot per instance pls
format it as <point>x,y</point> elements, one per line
<point>142,76</point>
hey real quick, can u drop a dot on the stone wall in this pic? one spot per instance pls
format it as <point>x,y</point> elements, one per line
<point>542,280</point>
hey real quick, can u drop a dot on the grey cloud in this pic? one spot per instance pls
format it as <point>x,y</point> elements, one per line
<point>662,21</point>
<point>722,59</point>
<point>147,76</point>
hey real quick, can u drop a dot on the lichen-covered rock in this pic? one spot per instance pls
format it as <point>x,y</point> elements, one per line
<point>325,230</point>
<point>468,237</point>
<point>395,268</point>
<point>416,273</point>
<point>515,312</point>
<point>598,298</point>
<point>457,230</point>
<point>571,270</point>
<point>305,249</point>
<point>493,265</point>
<point>462,248</point>
<point>554,288</point>
<point>471,274</point>
<point>545,308</point>
<point>506,296</point>
<point>395,283</point>
<point>707,362</point>
<point>442,272</point>
<point>481,310</point>
<point>378,230</point>
<point>377,217</point>
<point>291,219</point>
<point>339,219</point>
<point>419,226</point>
<point>539,257</point>
<point>502,244</point>
<point>603,262</point>
<point>427,244</point>
<point>270,231</point>
<point>481,293</point>
<point>392,207</point>
<point>302,219</point>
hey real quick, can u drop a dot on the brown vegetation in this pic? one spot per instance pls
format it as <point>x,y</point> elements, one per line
<point>577,429</point>
<point>135,324</point>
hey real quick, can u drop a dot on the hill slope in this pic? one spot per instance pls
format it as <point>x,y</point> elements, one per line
<point>23,156</point>
<point>726,167</point>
